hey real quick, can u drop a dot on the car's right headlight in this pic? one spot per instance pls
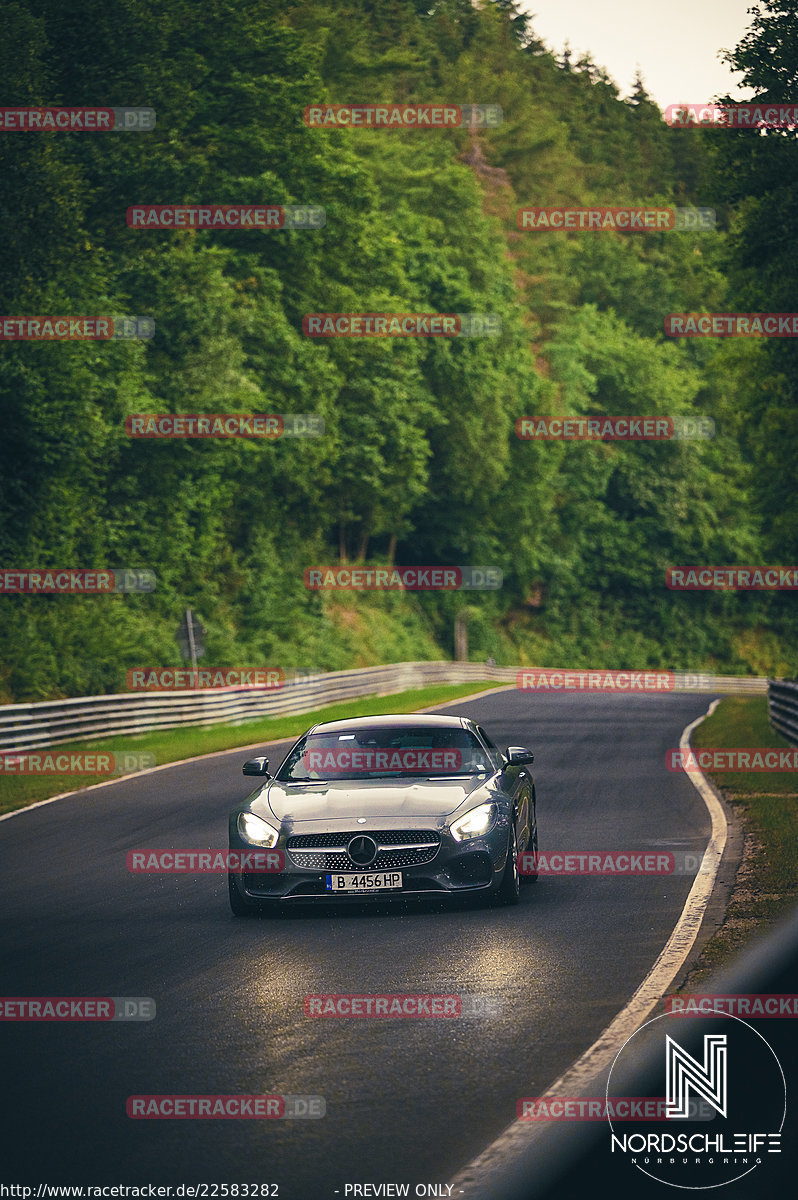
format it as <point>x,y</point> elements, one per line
<point>256,831</point>
<point>475,823</point>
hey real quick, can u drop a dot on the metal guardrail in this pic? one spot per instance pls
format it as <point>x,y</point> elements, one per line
<point>55,722</point>
<point>783,708</point>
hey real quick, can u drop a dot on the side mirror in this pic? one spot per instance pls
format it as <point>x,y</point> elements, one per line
<point>518,756</point>
<point>256,766</point>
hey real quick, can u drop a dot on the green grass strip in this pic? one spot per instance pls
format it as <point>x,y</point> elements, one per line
<point>767,805</point>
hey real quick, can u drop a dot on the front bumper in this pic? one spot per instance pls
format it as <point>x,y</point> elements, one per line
<point>432,862</point>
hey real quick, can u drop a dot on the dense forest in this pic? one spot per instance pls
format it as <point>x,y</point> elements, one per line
<point>419,462</point>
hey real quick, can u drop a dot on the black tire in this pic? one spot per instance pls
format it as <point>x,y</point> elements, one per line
<point>238,906</point>
<point>509,890</point>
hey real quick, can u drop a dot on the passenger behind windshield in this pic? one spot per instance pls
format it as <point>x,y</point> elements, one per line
<point>384,753</point>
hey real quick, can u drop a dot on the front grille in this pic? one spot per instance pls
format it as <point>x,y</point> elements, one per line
<point>383,837</point>
<point>396,848</point>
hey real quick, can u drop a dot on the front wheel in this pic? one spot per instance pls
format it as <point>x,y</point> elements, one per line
<point>509,891</point>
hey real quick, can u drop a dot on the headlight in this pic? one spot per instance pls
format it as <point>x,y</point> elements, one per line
<point>256,831</point>
<point>475,823</point>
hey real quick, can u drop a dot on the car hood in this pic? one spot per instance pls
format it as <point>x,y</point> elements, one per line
<point>351,798</point>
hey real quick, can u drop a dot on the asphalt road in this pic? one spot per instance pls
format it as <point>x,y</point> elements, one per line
<point>408,1100</point>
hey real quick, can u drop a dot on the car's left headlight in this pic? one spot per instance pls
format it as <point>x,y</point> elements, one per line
<point>257,831</point>
<point>474,823</point>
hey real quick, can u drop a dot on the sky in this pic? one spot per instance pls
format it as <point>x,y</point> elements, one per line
<point>674,42</point>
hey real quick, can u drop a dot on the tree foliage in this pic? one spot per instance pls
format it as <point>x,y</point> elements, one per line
<point>419,462</point>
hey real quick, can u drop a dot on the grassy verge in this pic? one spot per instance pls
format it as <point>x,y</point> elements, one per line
<point>767,805</point>
<point>175,744</point>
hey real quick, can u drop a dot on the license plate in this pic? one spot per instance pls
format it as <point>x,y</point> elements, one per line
<point>376,881</point>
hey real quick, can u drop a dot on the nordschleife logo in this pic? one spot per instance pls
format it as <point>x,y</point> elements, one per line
<point>685,1075</point>
<point>732,1072</point>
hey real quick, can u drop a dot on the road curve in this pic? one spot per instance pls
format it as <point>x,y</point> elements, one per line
<point>408,1101</point>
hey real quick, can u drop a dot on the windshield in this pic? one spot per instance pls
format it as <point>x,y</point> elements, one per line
<point>385,753</point>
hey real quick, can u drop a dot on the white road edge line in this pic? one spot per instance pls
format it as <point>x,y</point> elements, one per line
<point>92,787</point>
<point>520,1135</point>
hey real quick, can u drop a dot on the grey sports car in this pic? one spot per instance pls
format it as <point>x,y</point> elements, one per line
<point>384,807</point>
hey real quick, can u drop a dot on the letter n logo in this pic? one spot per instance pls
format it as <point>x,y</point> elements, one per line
<point>683,1074</point>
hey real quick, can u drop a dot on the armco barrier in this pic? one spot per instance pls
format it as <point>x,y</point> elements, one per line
<point>54,722</point>
<point>783,708</point>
